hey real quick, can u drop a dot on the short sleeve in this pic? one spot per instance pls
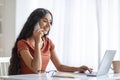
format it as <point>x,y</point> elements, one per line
<point>52,46</point>
<point>22,45</point>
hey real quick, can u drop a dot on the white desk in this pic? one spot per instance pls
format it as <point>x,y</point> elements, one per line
<point>44,76</point>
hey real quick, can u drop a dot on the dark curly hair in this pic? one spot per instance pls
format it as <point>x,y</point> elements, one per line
<point>26,32</point>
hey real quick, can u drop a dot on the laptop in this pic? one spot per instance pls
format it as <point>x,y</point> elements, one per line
<point>105,64</point>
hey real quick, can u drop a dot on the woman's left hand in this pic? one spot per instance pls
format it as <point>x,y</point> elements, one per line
<point>82,69</point>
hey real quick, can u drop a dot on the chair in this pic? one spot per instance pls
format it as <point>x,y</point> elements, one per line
<point>4,63</point>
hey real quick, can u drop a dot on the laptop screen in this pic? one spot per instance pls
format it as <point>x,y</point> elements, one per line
<point>106,62</point>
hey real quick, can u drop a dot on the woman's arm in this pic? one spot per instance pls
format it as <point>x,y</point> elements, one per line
<point>65,68</point>
<point>34,63</point>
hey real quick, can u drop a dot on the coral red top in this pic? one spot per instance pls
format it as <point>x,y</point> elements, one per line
<point>45,52</point>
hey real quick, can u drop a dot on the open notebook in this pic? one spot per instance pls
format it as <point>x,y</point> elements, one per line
<point>68,75</point>
<point>105,64</point>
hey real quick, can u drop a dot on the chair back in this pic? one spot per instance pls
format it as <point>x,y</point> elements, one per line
<point>4,64</point>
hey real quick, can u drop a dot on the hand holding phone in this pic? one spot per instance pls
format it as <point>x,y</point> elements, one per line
<point>38,29</point>
<point>37,26</point>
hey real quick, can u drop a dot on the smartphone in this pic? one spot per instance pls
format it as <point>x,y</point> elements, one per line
<point>37,26</point>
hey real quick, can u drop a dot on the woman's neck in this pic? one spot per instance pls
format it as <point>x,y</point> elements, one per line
<point>32,41</point>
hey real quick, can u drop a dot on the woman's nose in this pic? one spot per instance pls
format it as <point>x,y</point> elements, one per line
<point>48,24</point>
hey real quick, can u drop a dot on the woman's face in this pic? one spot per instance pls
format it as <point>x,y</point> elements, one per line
<point>45,23</point>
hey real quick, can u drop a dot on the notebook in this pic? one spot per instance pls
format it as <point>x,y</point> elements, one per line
<point>105,64</point>
<point>66,75</point>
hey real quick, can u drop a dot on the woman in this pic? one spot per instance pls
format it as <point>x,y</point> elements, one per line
<point>33,49</point>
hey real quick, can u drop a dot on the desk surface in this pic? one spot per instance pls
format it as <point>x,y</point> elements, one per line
<point>47,76</point>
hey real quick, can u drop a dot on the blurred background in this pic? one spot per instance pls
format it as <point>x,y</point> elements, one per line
<point>82,30</point>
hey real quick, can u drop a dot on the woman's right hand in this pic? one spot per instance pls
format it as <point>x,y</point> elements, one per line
<point>38,33</point>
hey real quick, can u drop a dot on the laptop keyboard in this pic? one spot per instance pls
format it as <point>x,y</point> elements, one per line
<point>91,74</point>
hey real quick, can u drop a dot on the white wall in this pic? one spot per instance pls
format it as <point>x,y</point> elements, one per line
<point>9,26</point>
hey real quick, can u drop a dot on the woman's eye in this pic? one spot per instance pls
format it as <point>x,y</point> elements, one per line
<point>44,21</point>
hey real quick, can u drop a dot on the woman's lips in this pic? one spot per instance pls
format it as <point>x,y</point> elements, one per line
<point>45,31</point>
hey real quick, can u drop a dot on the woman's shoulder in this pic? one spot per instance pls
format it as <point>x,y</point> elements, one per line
<point>22,41</point>
<point>50,42</point>
<point>23,44</point>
